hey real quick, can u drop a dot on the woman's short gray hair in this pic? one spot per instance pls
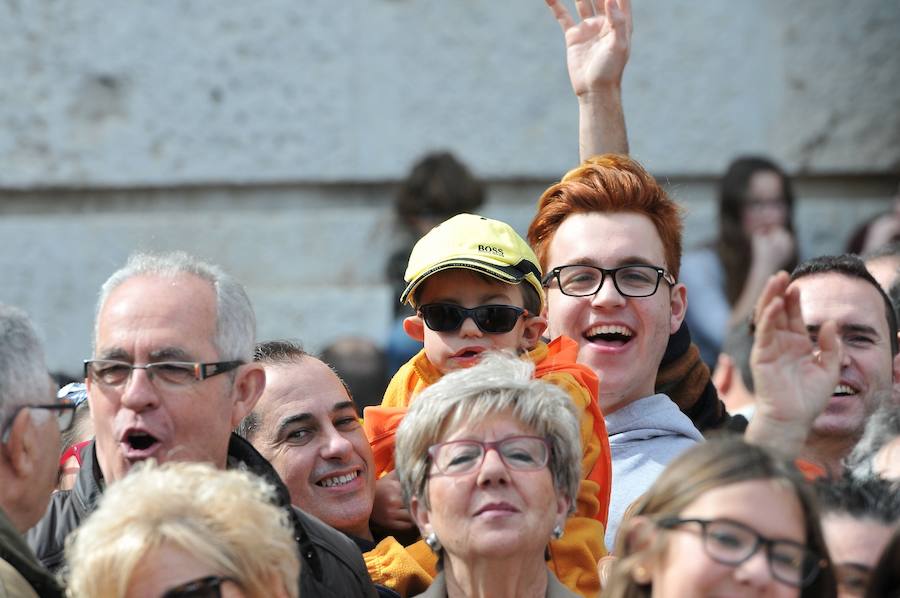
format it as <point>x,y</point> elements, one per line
<point>500,382</point>
<point>226,519</point>
<point>235,320</point>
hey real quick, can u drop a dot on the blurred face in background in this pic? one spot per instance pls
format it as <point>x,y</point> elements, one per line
<point>764,205</point>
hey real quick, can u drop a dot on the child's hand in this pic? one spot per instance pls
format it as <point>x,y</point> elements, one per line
<point>389,512</point>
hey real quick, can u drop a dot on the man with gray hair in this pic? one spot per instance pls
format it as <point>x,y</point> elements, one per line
<point>30,421</point>
<point>172,374</point>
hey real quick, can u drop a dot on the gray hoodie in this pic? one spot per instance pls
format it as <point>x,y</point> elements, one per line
<point>644,437</point>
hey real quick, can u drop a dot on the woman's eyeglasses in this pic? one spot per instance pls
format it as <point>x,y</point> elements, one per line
<point>206,587</point>
<point>492,319</point>
<point>458,457</point>
<point>732,543</point>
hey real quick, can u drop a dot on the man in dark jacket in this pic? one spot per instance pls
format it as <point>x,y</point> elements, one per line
<point>172,375</point>
<point>29,453</point>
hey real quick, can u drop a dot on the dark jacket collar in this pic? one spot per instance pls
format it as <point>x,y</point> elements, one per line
<point>15,551</point>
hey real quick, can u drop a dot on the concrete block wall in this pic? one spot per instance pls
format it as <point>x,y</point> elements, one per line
<point>268,136</point>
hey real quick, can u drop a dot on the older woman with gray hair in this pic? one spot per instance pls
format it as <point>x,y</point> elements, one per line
<point>489,462</point>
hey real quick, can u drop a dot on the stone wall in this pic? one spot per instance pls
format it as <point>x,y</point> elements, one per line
<point>268,136</point>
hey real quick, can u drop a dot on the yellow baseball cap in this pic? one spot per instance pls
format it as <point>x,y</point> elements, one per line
<point>475,243</point>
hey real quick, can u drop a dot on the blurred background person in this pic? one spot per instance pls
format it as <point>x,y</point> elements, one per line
<point>858,519</point>
<point>75,438</point>
<point>31,420</point>
<point>489,462</point>
<point>885,579</point>
<point>362,366</point>
<point>756,239</point>
<point>438,187</point>
<point>725,518</point>
<point>877,454</point>
<point>185,529</point>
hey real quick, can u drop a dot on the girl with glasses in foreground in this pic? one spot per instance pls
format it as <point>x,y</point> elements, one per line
<point>725,518</point>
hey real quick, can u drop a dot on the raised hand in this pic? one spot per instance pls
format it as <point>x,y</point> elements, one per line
<point>597,50</point>
<point>793,378</point>
<point>598,46</point>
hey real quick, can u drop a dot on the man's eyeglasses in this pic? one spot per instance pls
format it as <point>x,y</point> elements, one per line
<point>521,453</point>
<point>492,319</point>
<point>732,543</point>
<point>207,587</point>
<point>65,415</point>
<point>111,372</point>
<point>631,281</point>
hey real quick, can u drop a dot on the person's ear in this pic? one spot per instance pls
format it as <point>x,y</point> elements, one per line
<point>640,536</point>
<point>420,516</point>
<point>532,330</point>
<point>562,510</point>
<point>414,327</point>
<point>249,384</point>
<point>679,305</point>
<point>19,448</point>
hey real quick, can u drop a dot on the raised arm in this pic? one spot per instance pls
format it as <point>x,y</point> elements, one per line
<point>793,377</point>
<point>597,50</point>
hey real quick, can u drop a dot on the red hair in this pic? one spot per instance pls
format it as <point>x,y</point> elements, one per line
<point>608,183</point>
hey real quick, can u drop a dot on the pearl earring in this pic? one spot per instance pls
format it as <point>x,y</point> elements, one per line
<point>433,543</point>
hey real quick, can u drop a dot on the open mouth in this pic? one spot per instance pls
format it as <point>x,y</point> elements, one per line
<point>468,353</point>
<point>340,480</point>
<point>613,334</point>
<point>140,441</point>
<point>844,390</point>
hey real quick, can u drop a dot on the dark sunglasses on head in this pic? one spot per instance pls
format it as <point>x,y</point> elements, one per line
<point>492,319</point>
<point>206,587</point>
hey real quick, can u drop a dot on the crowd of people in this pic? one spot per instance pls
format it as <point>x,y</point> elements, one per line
<point>555,432</point>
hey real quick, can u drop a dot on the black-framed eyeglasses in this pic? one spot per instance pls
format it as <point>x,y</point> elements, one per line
<point>732,543</point>
<point>521,453</point>
<point>492,319</point>
<point>636,280</point>
<point>111,372</point>
<point>65,416</point>
<point>206,587</point>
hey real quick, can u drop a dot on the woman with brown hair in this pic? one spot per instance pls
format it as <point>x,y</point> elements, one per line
<point>725,518</point>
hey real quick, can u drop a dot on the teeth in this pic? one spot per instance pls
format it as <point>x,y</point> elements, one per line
<point>608,329</point>
<point>843,389</point>
<point>339,480</point>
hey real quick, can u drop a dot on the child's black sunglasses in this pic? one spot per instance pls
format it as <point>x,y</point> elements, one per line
<point>492,319</point>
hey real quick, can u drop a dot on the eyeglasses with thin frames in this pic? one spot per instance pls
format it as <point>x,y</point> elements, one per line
<point>636,280</point>
<point>732,543</point>
<point>459,457</point>
<point>113,373</point>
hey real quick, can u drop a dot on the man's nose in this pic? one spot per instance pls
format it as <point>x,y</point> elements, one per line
<point>607,295</point>
<point>139,392</point>
<point>336,445</point>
